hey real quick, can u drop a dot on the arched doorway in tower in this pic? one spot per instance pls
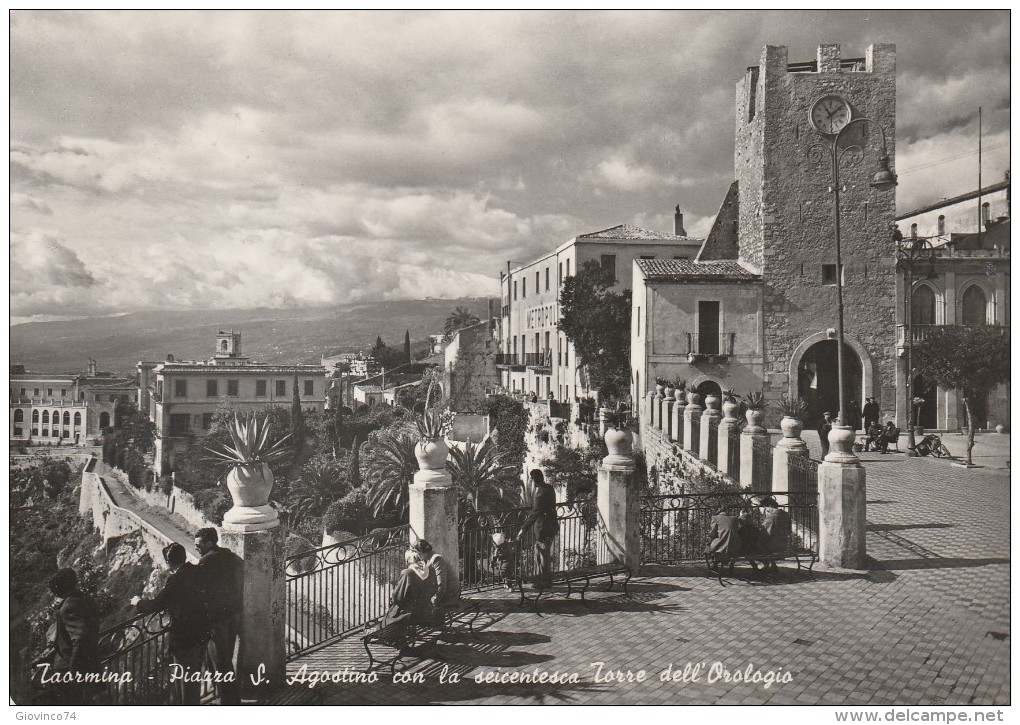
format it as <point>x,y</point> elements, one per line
<point>818,379</point>
<point>706,388</point>
<point>927,414</point>
<point>104,420</point>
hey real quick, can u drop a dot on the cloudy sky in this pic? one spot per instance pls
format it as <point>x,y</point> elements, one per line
<point>198,160</point>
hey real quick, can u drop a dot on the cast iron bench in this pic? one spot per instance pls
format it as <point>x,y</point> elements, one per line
<point>397,639</point>
<point>716,564</point>
<point>574,578</point>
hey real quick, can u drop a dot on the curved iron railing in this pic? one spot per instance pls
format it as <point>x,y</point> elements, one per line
<point>336,589</point>
<point>803,475</point>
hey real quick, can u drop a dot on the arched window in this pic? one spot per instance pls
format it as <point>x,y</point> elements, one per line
<point>67,418</point>
<point>35,416</point>
<point>77,420</point>
<point>986,213</point>
<point>46,417</point>
<point>975,306</point>
<point>223,346</point>
<point>19,416</point>
<point>922,306</point>
<point>913,231</point>
<point>941,225</point>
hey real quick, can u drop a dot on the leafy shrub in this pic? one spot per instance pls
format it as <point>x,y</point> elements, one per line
<point>213,503</point>
<point>351,513</point>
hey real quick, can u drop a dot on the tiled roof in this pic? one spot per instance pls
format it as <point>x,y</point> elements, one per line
<point>626,231</point>
<point>723,269</point>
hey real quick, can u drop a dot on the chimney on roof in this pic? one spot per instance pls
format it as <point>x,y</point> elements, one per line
<point>169,357</point>
<point>678,223</point>
<point>93,366</point>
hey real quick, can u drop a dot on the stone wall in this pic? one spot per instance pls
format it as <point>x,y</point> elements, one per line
<point>178,502</point>
<point>723,241</point>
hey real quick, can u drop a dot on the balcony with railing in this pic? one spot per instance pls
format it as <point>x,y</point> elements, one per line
<point>539,361</point>
<point>711,348</point>
<point>920,333</point>
<point>509,360</point>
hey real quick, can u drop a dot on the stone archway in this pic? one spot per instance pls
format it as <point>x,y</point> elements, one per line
<point>104,420</point>
<point>813,374</point>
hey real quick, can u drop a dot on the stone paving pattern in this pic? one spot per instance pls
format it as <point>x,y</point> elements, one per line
<point>928,624</point>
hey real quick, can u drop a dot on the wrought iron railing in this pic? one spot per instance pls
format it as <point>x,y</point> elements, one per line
<point>803,475</point>
<point>581,543</point>
<point>705,345</point>
<point>677,528</point>
<point>712,454</point>
<point>538,359</point>
<point>336,589</point>
<point>761,465</point>
<point>509,358</point>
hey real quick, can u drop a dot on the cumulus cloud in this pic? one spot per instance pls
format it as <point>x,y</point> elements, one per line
<point>197,159</point>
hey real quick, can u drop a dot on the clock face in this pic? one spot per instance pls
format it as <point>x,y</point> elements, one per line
<point>830,114</point>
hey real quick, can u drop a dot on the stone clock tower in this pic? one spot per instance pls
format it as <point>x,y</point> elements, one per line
<point>787,117</point>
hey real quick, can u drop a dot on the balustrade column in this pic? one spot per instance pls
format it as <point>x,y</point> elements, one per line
<point>728,423</point>
<point>666,419</point>
<point>789,446</point>
<point>432,501</point>
<point>842,504</point>
<point>692,420</point>
<point>753,432</point>
<point>262,649</point>
<point>677,422</point>
<point>709,416</point>
<point>619,504</point>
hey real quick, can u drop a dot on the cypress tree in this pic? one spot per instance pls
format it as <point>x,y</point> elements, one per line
<point>407,346</point>
<point>297,422</point>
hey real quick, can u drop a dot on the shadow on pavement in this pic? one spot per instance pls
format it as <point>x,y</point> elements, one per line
<point>904,527</point>
<point>907,564</point>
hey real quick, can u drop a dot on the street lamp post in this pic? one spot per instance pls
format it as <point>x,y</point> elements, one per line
<point>882,179</point>
<point>908,253</point>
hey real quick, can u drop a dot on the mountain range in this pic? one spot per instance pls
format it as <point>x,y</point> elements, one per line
<point>268,335</point>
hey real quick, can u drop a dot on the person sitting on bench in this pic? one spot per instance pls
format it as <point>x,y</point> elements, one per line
<point>775,530</point>
<point>725,533</point>
<point>411,602</point>
<point>891,434</point>
<point>749,536</point>
<point>874,432</point>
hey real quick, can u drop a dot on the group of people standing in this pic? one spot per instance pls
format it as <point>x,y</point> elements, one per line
<point>866,416</point>
<point>203,602</point>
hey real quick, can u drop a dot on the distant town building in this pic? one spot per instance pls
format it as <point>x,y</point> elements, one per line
<point>469,367</point>
<point>534,357</point>
<point>383,388</point>
<point>359,364</point>
<point>436,344</point>
<point>65,408</point>
<point>184,396</point>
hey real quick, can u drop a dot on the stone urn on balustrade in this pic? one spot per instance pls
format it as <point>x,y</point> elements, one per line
<point>431,450</point>
<point>619,439</point>
<point>755,420</point>
<point>693,397</point>
<point>250,479</point>
<point>730,409</point>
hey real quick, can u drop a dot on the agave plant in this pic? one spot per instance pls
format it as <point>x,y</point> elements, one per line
<point>730,395</point>
<point>680,384</point>
<point>433,424</point>
<point>619,417</point>
<point>251,444</point>
<point>793,407</point>
<point>755,400</point>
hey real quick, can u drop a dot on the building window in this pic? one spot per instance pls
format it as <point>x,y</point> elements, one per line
<point>986,214</point>
<point>538,284</point>
<point>35,431</point>
<point>829,273</point>
<point>35,416</point>
<point>922,306</point>
<point>546,279</point>
<point>515,289</point>
<point>77,420</point>
<point>19,416</point>
<point>49,392</point>
<point>46,417</point>
<point>212,388</point>
<point>180,424</point>
<point>913,231</point>
<point>708,328</point>
<point>568,267</point>
<point>260,389</point>
<point>609,266</point>
<point>113,398</point>
<point>941,225</point>
<point>232,389</point>
<point>17,431</point>
<point>281,387</point>
<point>975,308</point>
<point>206,421</point>
<point>36,393</point>
<point>309,387</point>
<point>180,388</point>
<point>639,322</point>
<point>524,288</point>
<point>559,276</point>
<point>67,418</point>
<point>63,392</point>
<point>55,433</point>
<point>548,349</point>
<point>22,391</point>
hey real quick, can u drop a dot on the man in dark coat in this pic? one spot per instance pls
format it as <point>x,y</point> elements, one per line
<point>823,432</point>
<point>543,515</point>
<point>183,598</point>
<point>871,412</point>
<point>222,575</point>
<point>725,535</point>
<point>776,528</point>
<point>75,639</point>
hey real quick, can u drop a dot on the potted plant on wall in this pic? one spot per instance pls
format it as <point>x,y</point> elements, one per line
<point>794,409</point>
<point>433,426</point>
<point>755,409</point>
<point>916,404</point>
<point>619,437</point>
<point>250,480</point>
<point>730,403</point>
<point>660,386</point>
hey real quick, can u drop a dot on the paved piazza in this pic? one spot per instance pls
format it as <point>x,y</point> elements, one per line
<point>929,624</point>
